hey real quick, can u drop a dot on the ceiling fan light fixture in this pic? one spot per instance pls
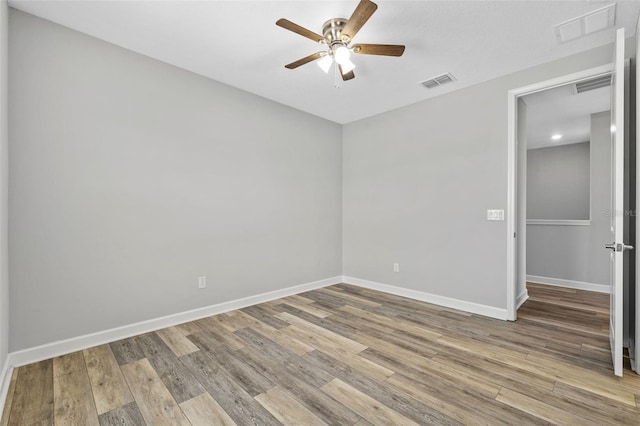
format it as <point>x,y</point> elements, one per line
<point>337,34</point>
<point>325,63</point>
<point>341,55</point>
<point>347,66</point>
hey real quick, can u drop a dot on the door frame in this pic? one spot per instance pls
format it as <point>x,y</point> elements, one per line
<point>512,172</point>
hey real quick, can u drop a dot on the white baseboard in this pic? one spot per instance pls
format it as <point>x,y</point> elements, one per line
<point>50,350</point>
<point>62,347</point>
<point>522,298</point>
<point>462,305</point>
<point>578,285</point>
<point>5,380</point>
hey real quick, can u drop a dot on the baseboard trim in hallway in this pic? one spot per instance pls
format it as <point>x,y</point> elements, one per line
<point>577,285</point>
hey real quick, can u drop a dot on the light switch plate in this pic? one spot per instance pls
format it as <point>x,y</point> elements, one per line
<point>495,214</point>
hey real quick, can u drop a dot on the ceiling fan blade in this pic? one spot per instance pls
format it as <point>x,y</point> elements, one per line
<point>288,25</point>
<point>360,16</point>
<point>348,76</point>
<point>379,49</point>
<point>305,60</point>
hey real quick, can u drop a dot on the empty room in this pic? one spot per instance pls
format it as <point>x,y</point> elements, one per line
<point>346,212</point>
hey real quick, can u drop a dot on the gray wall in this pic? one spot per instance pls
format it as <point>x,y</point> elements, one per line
<point>130,178</point>
<point>4,171</point>
<point>118,205</point>
<point>577,252</point>
<point>418,181</point>
<point>558,182</point>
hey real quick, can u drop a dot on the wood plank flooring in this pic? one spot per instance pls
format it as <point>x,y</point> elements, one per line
<point>344,355</point>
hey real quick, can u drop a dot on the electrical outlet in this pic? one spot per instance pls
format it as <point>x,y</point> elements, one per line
<point>396,267</point>
<point>202,282</point>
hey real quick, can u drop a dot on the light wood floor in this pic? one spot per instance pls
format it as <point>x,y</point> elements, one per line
<point>344,355</point>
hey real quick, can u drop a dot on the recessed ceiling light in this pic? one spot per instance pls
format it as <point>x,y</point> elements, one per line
<point>556,137</point>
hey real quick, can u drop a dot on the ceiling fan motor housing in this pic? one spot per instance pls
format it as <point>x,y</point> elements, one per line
<point>332,31</point>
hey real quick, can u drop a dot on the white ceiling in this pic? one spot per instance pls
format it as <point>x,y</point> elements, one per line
<point>238,43</point>
<point>563,111</point>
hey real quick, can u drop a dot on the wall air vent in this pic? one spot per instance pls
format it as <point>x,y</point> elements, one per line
<point>594,83</point>
<point>438,81</point>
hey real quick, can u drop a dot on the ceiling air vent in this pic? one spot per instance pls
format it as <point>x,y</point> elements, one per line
<point>438,81</point>
<point>589,23</point>
<point>594,83</point>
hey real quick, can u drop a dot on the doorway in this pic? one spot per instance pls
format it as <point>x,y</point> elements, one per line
<point>567,193</point>
<point>516,198</point>
<point>517,219</point>
<point>564,175</point>
<point>622,197</point>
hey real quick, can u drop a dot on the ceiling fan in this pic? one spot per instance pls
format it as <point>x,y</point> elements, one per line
<point>337,35</point>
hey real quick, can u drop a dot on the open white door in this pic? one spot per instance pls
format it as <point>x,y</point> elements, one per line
<point>617,207</point>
